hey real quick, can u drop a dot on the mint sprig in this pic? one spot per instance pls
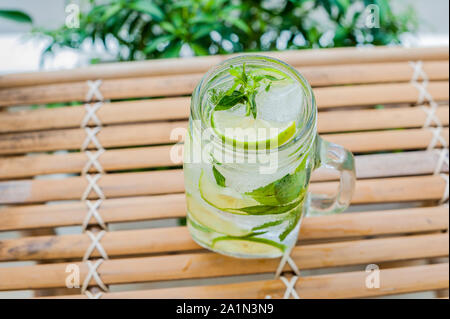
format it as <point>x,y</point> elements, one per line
<point>244,89</point>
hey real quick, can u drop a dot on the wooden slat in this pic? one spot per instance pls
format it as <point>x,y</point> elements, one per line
<point>160,133</point>
<point>111,160</point>
<point>193,265</point>
<point>171,181</point>
<point>390,165</point>
<point>341,285</point>
<point>202,64</point>
<point>176,239</point>
<point>113,136</point>
<point>386,140</point>
<point>112,210</point>
<point>171,85</point>
<point>373,119</point>
<point>373,94</point>
<point>367,166</point>
<point>178,108</point>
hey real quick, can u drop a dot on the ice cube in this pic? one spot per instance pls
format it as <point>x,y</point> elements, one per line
<point>282,103</point>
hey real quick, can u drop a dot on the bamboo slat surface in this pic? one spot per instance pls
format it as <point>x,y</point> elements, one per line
<point>342,285</point>
<point>367,103</point>
<point>201,65</point>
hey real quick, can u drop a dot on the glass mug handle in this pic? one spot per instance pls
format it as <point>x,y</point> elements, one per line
<point>336,157</point>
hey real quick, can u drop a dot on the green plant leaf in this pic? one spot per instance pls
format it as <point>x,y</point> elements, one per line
<point>268,209</point>
<point>228,101</point>
<point>268,224</point>
<point>152,45</point>
<point>238,23</point>
<point>290,187</point>
<point>173,50</point>
<point>220,179</point>
<point>166,26</point>
<point>293,219</point>
<point>16,15</point>
<point>198,49</point>
<point>111,11</point>
<point>146,6</point>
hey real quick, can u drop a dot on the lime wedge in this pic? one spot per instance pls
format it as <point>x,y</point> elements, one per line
<point>257,247</point>
<point>223,198</point>
<point>247,132</point>
<point>212,220</point>
<point>201,233</point>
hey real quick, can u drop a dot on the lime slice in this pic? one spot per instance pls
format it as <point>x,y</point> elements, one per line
<point>212,220</point>
<point>257,247</point>
<point>201,233</point>
<point>247,132</point>
<point>223,198</point>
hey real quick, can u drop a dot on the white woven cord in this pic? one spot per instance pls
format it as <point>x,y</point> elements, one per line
<point>286,259</point>
<point>93,212</point>
<point>90,295</point>
<point>424,95</point>
<point>91,116</point>
<point>91,110</point>
<point>94,90</point>
<point>430,110</point>
<point>91,136</point>
<point>95,243</point>
<point>445,195</point>
<point>290,287</point>
<point>93,186</point>
<point>436,138</point>
<point>93,161</point>
<point>92,273</point>
<point>443,160</point>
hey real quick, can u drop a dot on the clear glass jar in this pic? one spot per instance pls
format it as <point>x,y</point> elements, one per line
<point>249,202</point>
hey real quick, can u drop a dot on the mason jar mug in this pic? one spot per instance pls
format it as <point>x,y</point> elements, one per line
<point>249,152</point>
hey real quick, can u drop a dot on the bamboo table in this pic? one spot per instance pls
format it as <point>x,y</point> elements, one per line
<point>106,163</point>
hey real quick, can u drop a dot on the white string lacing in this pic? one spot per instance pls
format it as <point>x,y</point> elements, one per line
<point>95,243</point>
<point>93,161</point>
<point>93,186</point>
<point>92,273</point>
<point>91,137</point>
<point>289,283</point>
<point>94,91</point>
<point>91,114</point>
<point>93,212</point>
<point>430,109</point>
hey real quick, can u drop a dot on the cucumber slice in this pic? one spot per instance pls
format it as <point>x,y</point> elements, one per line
<point>257,247</point>
<point>223,198</point>
<point>209,219</point>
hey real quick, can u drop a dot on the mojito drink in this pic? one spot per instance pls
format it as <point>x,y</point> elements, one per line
<point>246,168</point>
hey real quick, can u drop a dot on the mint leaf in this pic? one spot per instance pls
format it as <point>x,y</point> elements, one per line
<point>268,224</point>
<point>293,218</point>
<point>285,190</point>
<point>290,187</point>
<point>268,209</point>
<point>253,104</point>
<point>228,101</point>
<point>220,179</point>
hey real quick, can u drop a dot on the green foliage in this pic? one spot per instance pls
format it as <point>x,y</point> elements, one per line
<point>244,89</point>
<point>220,179</point>
<point>162,28</point>
<point>15,15</point>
